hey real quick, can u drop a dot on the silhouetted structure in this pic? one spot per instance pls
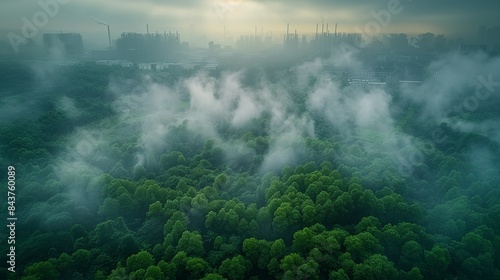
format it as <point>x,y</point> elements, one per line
<point>324,42</point>
<point>254,42</point>
<point>135,46</point>
<point>291,40</point>
<point>248,42</point>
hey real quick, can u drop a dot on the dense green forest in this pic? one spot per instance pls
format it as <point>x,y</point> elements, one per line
<point>256,173</point>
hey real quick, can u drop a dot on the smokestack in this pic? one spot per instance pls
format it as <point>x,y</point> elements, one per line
<point>327,28</point>
<point>317,39</point>
<point>101,22</point>
<point>287,29</point>
<point>98,21</point>
<point>335,29</point>
<point>147,29</point>
<point>109,38</point>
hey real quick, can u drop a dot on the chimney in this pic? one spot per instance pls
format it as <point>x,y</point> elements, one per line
<point>109,38</point>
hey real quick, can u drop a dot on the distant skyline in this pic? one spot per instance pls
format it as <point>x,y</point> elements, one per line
<point>201,21</point>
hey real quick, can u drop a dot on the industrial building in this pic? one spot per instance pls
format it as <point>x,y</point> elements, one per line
<point>324,42</point>
<point>255,42</point>
<point>291,40</point>
<point>157,47</point>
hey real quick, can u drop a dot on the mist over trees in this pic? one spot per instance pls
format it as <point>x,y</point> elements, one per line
<point>257,173</point>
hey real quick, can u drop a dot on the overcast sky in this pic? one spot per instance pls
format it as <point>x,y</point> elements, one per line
<point>201,21</point>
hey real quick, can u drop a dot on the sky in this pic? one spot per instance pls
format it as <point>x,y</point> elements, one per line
<point>200,21</point>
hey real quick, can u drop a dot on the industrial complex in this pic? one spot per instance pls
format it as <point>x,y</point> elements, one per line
<point>390,56</point>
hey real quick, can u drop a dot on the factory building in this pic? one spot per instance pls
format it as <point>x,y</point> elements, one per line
<point>291,40</point>
<point>136,46</point>
<point>324,42</point>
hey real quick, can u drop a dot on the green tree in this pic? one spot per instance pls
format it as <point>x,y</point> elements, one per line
<point>251,249</point>
<point>278,249</point>
<point>220,182</point>
<point>294,267</point>
<point>42,270</point>
<point>139,171</point>
<point>475,244</point>
<point>413,274</point>
<point>362,245</point>
<point>154,272</point>
<point>82,258</point>
<point>309,214</point>
<point>197,268</point>
<point>213,276</point>
<point>155,210</point>
<point>437,260</point>
<point>411,255</point>
<point>284,217</point>
<point>338,275</point>
<point>179,262</point>
<point>109,209</point>
<point>370,224</point>
<point>191,243</point>
<point>234,268</point>
<point>375,267</point>
<point>141,260</point>
<point>128,245</point>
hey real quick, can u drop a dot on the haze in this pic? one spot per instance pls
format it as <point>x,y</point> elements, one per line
<point>250,139</point>
<point>199,22</point>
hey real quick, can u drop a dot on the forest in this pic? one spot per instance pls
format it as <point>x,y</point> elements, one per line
<point>252,173</point>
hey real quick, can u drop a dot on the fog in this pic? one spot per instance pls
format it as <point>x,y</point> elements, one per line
<point>148,109</point>
<point>138,132</point>
<point>460,81</point>
<point>202,21</point>
<point>233,139</point>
